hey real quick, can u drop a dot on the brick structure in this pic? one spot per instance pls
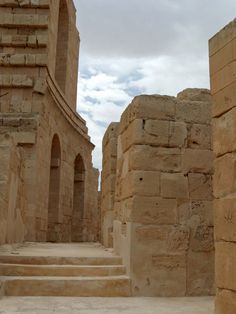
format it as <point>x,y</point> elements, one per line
<point>163,219</point>
<point>222,48</point>
<point>48,186</point>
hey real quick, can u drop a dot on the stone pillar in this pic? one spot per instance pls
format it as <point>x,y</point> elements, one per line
<point>163,224</point>
<point>108,183</point>
<point>222,48</point>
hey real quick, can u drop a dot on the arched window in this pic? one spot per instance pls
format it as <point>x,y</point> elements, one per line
<point>62,45</point>
<point>54,190</point>
<point>78,200</point>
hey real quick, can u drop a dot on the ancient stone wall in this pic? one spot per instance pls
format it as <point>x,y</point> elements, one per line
<point>40,129</point>
<point>222,48</point>
<point>109,153</point>
<point>163,225</point>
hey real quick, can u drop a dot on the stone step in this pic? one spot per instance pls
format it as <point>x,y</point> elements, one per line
<point>112,286</point>
<point>61,270</point>
<point>58,260</point>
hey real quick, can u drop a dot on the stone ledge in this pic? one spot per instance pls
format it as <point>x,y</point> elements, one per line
<point>32,41</point>
<point>23,59</point>
<point>41,4</point>
<point>22,138</point>
<point>10,20</point>
<point>19,81</point>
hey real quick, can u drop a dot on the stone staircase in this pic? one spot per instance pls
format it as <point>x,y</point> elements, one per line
<point>63,276</point>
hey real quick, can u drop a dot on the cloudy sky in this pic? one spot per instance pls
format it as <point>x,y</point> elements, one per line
<point>131,47</point>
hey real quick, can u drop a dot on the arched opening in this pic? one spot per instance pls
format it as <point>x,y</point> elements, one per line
<point>62,45</point>
<point>78,200</point>
<point>54,191</point>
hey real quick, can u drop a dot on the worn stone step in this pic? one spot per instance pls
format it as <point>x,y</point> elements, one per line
<point>61,270</point>
<point>58,260</point>
<point>112,286</point>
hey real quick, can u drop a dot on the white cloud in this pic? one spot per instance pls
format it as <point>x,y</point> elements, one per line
<point>103,96</point>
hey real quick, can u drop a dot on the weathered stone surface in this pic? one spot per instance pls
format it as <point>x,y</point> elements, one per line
<point>225,301</point>
<point>225,265</point>
<point>224,129</point>
<point>49,150</point>
<point>200,136</point>
<point>193,111</point>
<point>225,219</point>
<point>201,276</point>
<point>223,100</point>
<point>146,183</point>
<point>199,160</point>
<point>200,186</point>
<point>222,74</point>
<point>149,107</point>
<point>153,210</point>
<point>155,158</point>
<point>195,94</point>
<point>174,185</point>
<point>224,176</point>
<point>163,194</point>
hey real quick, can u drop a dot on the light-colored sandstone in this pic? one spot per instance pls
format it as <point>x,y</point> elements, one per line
<point>163,218</point>
<point>222,73</point>
<point>49,191</point>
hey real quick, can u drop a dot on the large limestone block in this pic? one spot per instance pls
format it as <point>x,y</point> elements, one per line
<point>160,276</point>
<point>224,177</point>
<point>225,219</point>
<point>156,272</point>
<point>223,57</point>
<point>225,302</point>
<point>155,158</point>
<point>195,94</point>
<point>149,107</point>
<point>200,277</point>
<point>153,132</point>
<point>141,183</point>
<point>223,77</point>
<point>224,129</point>
<point>200,186</point>
<point>193,111</point>
<point>197,160</point>
<point>177,134</point>
<point>157,236</point>
<point>146,183</point>
<point>132,135</point>
<point>203,211</point>
<point>225,265</point>
<point>174,185</point>
<point>224,100</point>
<point>222,38</point>
<point>202,237</point>
<point>200,136</point>
<point>153,210</point>
<point>110,149</point>
<point>111,132</point>
<point>156,132</point>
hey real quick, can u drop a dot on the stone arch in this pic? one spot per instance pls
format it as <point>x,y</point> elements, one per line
<point>78,200</point>
<point>62,45</point>
<point>54,190</point>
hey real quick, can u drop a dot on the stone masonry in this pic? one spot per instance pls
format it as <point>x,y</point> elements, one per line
<point>48,186</point>
<point>222,48</point>
<point>163,219</point>
<point>108,183</point>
